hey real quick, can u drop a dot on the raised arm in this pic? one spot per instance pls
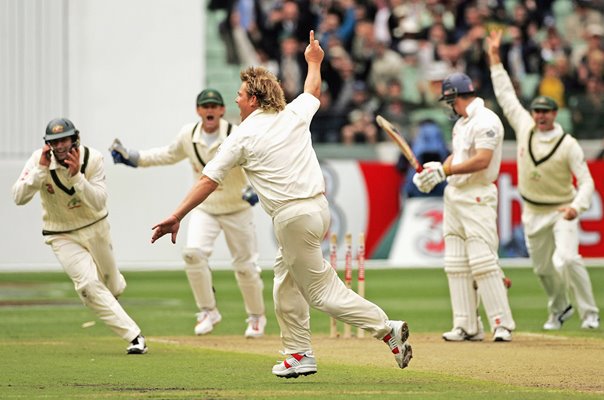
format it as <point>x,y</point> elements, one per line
<point>505,93</point>
<point>493,45</point>
<point>314,56</point>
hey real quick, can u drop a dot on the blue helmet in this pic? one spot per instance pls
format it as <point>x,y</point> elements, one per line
<point>455,84</point>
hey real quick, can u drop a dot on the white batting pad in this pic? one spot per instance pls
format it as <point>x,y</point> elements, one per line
<point>494,297</point>
<point>463,302</point>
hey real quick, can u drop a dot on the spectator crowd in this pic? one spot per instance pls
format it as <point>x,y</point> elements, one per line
<point>389,57</point>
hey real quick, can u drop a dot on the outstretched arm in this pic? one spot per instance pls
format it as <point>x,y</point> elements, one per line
<point>314,56</point>
<point>202,189</point>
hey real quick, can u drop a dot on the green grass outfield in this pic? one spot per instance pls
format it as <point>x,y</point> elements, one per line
<point>46,353</point>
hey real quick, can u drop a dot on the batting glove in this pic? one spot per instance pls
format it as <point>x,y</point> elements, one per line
<point>122,155</point>
<point>249,195</point>
<point>423,185</point>
<point>433,173</point>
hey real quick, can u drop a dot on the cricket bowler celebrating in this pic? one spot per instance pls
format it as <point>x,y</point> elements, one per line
<point>273,145</point>
<point>470,214</point>
<point>228,209</point>
<point>548,158</point>
<point>71,182</point>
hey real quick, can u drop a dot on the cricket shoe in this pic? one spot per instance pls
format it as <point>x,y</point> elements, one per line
<point>295,365</point>
<point>397,341</point>
<point>206,320</point>
<point>502,334</point>
<point>255,326</point>
<point>555,321</point>
<point>459,335</point>
<point>591,321</point>
<point>137,345</point>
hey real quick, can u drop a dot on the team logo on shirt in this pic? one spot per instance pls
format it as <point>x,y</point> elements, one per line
<point>75,202</point>
<point>491,133</point>
<point>50,189</point>
<point>535,176</point>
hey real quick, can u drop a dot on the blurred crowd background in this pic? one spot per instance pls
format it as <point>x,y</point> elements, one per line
<point>389,57</point>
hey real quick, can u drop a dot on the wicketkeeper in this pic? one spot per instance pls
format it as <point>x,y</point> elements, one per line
<point>228,209</point>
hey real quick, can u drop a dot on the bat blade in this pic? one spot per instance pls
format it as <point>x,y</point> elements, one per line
<point>400,142</point>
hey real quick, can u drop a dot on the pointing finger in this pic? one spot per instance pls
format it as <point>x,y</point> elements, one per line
<point>312,37</point>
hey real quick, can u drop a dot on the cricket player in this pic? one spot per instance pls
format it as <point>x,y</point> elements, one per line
<point>229,209</point>
<point>548,158</point>
<point>273,145</point>
<point>71,181</point>
<point>470,214</point>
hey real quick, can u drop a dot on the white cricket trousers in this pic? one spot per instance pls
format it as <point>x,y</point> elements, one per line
<point>87,257</point>
<point>553,244</point>
<point>240,236</point>
<point>303,278</point>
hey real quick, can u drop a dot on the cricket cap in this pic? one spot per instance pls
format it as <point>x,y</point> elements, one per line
<point>544,103</point>
<point>210,96</point>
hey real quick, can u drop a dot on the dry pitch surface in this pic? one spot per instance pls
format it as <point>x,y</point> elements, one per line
<point>531,360</point>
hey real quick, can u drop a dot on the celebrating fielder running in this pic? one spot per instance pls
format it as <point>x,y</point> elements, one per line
<point>71,181</point>
<point>273,145</point>
<point>548,158</point>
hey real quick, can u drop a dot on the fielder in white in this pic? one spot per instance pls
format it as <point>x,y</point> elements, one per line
<point>71,183</point>
<point>273,145</point>
<point>470,214</point>
<point>548,158</point>
<point>228,209</point>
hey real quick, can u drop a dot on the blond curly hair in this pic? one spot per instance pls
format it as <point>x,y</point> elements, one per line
<point>265,86</point>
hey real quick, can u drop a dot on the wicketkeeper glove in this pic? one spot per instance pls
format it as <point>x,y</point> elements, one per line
<point>249,195</point>
<point>122,155</point>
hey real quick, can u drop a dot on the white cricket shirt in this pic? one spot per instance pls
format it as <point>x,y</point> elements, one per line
<point>546,164</point>
<point>275,150</point>
<point>481,129</point>
<point>68,202</point>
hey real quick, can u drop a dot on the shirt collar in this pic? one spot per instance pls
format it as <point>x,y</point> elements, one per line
<point>253,114</point>
<point>473,107</point>
<point>547,136</point>
<point>199,130</point>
